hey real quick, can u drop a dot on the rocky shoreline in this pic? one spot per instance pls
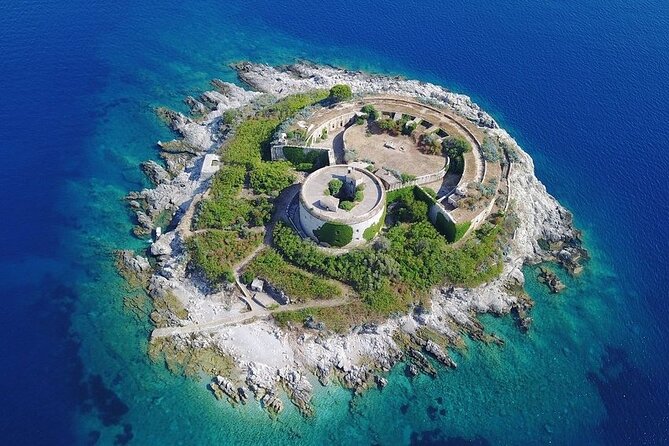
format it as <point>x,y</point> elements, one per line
<point>268,359</point>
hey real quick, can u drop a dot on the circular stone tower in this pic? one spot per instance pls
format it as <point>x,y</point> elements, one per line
<point>342,205</point>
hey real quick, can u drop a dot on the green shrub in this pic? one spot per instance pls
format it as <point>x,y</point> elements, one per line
<point>371,112</point>
<point>334,234</point>
<point>455,146</point>
<point>406,177</point>
<point>334,186</point>
<point>340,92</point>
<point>271,177</point>
<point>229,117</point>
<point>346,205</point>
<point>408,128</point>
<point>246,278</point>
<point>359,195</point>
<point>389,125</point>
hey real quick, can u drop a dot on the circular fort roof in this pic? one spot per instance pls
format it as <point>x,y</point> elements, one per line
<point>313,197</point>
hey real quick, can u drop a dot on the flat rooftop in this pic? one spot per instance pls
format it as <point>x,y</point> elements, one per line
<point>314,187</point>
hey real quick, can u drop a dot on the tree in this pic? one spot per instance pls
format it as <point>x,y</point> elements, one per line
<point>371,112</point>
<point>413,211</point>
<point>389,125</point>
<point>455,146</point>
<point>340,92</point>
<point>430,143</point>
<point>334,186</point>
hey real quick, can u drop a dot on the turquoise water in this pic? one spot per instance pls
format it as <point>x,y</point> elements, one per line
<point>578,85</point>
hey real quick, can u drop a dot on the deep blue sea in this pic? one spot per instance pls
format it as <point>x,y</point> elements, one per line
<point>582,85</point>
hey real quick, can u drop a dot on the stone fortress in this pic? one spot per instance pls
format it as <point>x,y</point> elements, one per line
<point>320,211</point>
<point>385,162</point>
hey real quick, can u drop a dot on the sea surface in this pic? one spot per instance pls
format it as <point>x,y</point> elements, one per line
<point>583,86</point>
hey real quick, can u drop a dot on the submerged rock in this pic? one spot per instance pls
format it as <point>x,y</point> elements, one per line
<point>551,280</point>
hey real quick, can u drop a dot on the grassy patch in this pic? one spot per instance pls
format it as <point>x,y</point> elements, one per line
<point>334,234</point>
<point>371,232</point>
<point>296,283</point>
<point>246,146</point>
<point>339,319</point>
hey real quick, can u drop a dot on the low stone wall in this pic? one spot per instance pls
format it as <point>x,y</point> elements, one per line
<point>423,179</point>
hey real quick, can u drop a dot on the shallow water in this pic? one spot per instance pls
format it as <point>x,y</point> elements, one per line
<point>582,87</point>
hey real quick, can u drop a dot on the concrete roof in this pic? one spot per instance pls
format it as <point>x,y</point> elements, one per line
<point>313,191</point>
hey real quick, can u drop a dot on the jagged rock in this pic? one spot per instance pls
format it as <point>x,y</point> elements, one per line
<point>163,246</point>
<point>243,396</point>
<point>134,263</point>
<point>369,328</point>
<point>196,107</point>
<point>439,354</point>
<point>227,388</point>
<point>419,360</point>
<point>381,382</point>
<point>156,173</point>
<point>411,370</point>
<point>177,146</point>
<point>272,403</point>
<point>311,323</point>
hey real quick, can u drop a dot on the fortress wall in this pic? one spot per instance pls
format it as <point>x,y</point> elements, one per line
<point>311,223</point>
<point>331,124</point>
<point>276,152</point>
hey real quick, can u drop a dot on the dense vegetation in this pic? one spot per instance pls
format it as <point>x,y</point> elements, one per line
<point>224,209</point>
<point>271,177</point>
<point>216,252</point>
<point>306,162</point>
<point>296,283</point>
<point>408,260</point>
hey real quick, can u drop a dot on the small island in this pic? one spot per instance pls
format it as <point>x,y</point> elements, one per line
<point>331,224</point>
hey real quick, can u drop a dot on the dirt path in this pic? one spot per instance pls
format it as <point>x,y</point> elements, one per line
<point>257,313</point>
